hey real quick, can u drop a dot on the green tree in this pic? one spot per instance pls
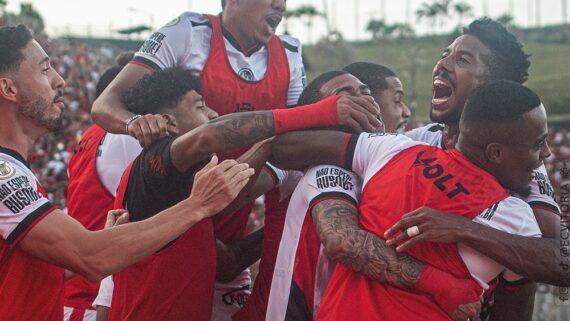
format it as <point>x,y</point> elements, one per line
<point>434,13</point>
<point>307,12</point>
<point>463,10</point>
<point>31,18</point>
<point>377,27</point>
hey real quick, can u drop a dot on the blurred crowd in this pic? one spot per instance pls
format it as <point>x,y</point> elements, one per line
<point>81,66</point>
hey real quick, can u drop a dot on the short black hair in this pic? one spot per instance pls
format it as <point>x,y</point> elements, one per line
<point>121,61</point>
<point>312,93</point>
<point>371,74</point>
<point>12,41</point>
<point>508,60</point>
<point>498,101</point>
<point>160,90</point>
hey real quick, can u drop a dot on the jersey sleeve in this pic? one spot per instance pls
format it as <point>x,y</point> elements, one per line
<point>331,182</point>
<point>22,200</point>
<point>514,216</point>
<point>541,192</point>
<point>170,45</point>
<point>105,294</point>
<point>367,153</point>
<point>298,77</point>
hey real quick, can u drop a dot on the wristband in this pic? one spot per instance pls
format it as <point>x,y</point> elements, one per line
<point>130,121</point>
<point>320,114</point>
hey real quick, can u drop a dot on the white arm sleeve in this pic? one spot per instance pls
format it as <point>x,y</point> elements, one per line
<point>105,295</point>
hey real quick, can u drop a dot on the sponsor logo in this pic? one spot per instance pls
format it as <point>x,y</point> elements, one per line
<point>18,193</point>
<point>6,171</point>
<point>544,186</point>
<point>236,296</point>
<point>246,74</point>
<point>153,43</point>
<point>488,213</point>
<point>331,177</point>
<point>444,182</point>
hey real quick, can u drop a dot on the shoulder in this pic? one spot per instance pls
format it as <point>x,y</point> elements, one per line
<point>430,134</point>
<point>192,19</point>
<point>291,44</point>
<point>511,215</point>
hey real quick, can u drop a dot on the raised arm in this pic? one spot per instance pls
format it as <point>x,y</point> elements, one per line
<point>62,241</point>
<point>538,259</point>
<point>109,112</point>
<point>243,129</point>
<point>299,150</point>
<point>337,226</point>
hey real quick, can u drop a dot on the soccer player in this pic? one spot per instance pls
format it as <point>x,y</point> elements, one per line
<point>242,66</point>
<point>400,175</point>
<point>38,240</point>
<point>388,92</point>
<point>95,169</point>
<point>323,209</point>
<point>177,283</point>
<point>486,51</point>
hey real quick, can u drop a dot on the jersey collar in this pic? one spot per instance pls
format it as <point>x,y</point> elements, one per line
<point>14,154</point>
<point>235,43</point>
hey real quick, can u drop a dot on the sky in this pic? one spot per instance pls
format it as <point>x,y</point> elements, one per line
<point>102,17</point>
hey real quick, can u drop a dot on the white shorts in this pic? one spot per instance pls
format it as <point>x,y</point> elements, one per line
<point>72,314</point>
<point>230,297</point>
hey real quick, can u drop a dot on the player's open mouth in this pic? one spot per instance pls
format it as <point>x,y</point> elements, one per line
<point>442,91</point>
<point>273,20</point>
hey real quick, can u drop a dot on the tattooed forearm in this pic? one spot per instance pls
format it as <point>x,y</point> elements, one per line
<point>242,129</point>
<point>337,225</point>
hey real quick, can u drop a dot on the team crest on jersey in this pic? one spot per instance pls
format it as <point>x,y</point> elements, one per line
<point>6,171</point>
<point>246,73</point>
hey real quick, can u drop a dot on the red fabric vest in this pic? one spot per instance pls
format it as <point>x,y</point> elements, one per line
<point>225,92</point>
<point>88,201</point>
<point>30,288</point>
<point>255,307</point>
<point>174,284</point>
<point>418,176</point>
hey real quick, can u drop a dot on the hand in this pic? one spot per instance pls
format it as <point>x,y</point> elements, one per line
<point>467,312</point>
<point>359,113</point>
<point>216,185</point>
<point>116,217</point>
<point>433,226</point>
<point>149,128</point>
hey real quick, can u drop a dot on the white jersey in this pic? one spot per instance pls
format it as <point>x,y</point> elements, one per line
<point>114,154</point>
<point>541,191</point>
<point>512,215</point>
<point>185,42</point>
<point>22,200</point>
<point>319,183</point>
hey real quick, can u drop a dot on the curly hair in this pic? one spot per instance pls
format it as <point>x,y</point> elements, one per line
<point>160,90</point>
<point>12,41</point>
<point>508,60</point>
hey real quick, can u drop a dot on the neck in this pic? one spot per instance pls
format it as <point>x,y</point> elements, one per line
<point>473,153</point>
<point>450,136</point>
<point>230,22</point>
<point>18,133</point>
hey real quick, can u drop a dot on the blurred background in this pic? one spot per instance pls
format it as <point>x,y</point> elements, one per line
<point>83,37</point>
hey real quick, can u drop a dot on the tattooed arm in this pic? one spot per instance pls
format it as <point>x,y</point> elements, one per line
<point>337,226</point>
<point>221,135</point>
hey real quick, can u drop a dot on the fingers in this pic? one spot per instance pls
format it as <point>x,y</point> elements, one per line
<point>116,217</point>
<point>236,169</point>
<point>403,224</point>
<point>412,241</point>
<point>148,128</point>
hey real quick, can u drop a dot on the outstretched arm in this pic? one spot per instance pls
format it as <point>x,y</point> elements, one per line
<point>62,241</point>
<point>336,222</point>
<point>538,259</point>
<point>243,129</point>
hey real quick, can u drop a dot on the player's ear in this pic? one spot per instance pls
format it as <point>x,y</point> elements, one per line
<point>494,153</point>
<point>8,89</point>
